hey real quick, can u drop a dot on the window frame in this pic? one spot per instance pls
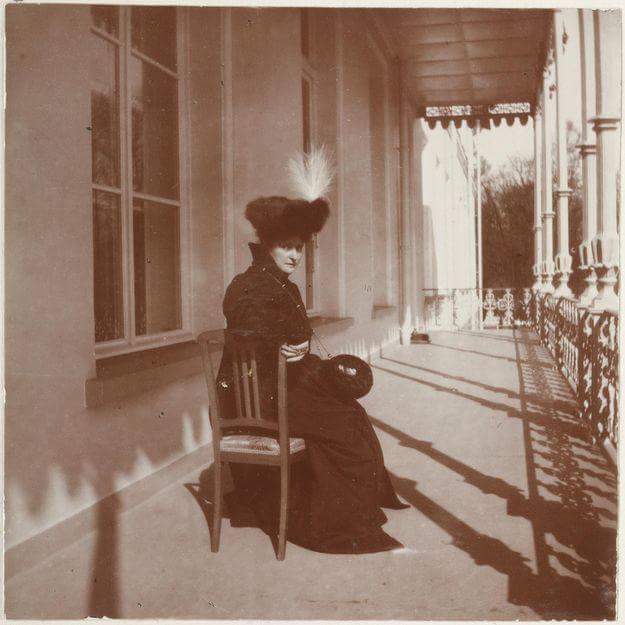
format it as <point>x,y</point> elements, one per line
<point>130,341</point>
<point>309,74</point>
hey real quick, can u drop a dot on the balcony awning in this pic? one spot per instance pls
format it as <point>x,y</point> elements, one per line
<point>470,63</point>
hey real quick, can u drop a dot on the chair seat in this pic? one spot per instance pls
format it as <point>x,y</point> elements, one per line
<point>251,444</point>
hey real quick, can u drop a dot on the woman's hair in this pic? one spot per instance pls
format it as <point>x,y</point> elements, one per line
<point>277,218</point>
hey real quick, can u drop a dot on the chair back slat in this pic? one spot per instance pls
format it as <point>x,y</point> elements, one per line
<point>255,384</point>
<point>245,379</point>
<point>245,374</point>
<point>236,380</point>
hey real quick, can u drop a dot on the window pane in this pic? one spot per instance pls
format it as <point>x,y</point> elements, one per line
<point>154,130</point>
<point>154,33</point>
<point>156,267</point>
<point>107,262</point>
<point>106,18</point>
<point>104,112</point>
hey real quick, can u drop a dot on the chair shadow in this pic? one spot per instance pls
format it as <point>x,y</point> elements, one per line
<point>203,491</point>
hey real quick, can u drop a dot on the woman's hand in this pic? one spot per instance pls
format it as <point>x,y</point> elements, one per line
<point>294,353</point>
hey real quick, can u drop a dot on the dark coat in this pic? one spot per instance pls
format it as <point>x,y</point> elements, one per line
<point>263,303</point>
<point>337,493</point>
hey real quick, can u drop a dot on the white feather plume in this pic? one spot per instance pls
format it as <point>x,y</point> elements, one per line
<point>311,174</point>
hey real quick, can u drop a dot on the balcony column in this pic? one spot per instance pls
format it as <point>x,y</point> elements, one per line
<point>407,290</point>
<point>563,260</point>
<point>478,199</point>
<point>605,245</point>
<point>538,227</point>
<point>547,186</point>
<point>588,150</point>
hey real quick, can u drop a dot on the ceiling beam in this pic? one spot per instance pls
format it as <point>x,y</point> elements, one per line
<point>428,27</point>
<point>456,51</point>
<point>463,96</point>
<point>446,69</point>
<point>419,17</point>
<point>530,73</point>
<point>494,40</point>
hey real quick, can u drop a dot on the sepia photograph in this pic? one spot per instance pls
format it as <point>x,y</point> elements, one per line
<point>311,311</point>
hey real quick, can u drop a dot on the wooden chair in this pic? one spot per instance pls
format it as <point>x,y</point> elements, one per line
<point>274,450</point>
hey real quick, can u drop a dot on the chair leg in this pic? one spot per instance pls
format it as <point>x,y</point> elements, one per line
<point>284,502</point>
<point>218,497</point>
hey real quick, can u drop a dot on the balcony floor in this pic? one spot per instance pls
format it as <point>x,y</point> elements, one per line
<point>513,514</point>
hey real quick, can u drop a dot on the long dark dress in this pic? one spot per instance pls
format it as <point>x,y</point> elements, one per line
<point>337,493</point>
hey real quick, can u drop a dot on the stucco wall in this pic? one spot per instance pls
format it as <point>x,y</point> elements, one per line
<point>60,456</point>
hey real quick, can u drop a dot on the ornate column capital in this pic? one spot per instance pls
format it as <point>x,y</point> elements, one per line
<point>586,255</point>
<point>586,149</point>
<point>563,263</point>
<point>605,249</point>
<point>563,192</point>
<point>604,122</point>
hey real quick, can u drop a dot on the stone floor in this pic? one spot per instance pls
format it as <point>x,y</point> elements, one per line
<point>512,516</point>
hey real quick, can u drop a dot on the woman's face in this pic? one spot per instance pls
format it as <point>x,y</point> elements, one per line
<point>287,254</point>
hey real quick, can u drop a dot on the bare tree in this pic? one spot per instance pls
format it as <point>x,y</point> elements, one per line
<point>508,217</point>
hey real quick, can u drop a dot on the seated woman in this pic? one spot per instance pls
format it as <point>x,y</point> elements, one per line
<point>337,493</point>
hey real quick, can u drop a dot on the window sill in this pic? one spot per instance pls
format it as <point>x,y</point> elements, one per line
<point>382,311</point>
<point>331,325</point>
<point>124,375</point>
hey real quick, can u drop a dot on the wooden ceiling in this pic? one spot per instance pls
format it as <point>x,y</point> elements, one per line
<point>469,56</point>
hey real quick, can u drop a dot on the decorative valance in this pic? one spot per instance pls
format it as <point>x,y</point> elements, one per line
<point>487,114</point>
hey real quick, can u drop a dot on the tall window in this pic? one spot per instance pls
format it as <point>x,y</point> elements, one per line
<point>307,142</point>
<point>136,173</point>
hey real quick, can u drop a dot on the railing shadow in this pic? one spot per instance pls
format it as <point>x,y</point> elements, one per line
<point>576,579</point>
<point>549,594</point>
<point>574,429</point>
<point>104,596</point>
<point>561,405</point>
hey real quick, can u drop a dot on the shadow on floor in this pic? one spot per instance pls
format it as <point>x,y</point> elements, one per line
<point>104,584</point>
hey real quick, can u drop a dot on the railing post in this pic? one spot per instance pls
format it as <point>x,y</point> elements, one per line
<point>558,333</point>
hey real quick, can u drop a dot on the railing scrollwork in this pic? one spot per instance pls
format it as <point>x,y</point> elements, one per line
<point>584,344</point>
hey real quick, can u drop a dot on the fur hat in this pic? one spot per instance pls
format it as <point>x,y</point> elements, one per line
<point>277,218</point>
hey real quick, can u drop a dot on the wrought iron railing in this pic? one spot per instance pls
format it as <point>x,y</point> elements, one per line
<point>583,342</point>
<point>472,308</point>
